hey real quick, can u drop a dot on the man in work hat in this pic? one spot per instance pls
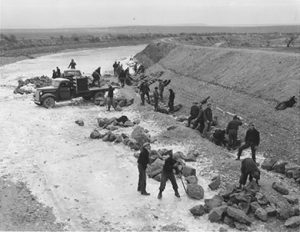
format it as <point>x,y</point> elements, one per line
<point>143,161</point>
<point>171,163</point>
<point>193,113</point>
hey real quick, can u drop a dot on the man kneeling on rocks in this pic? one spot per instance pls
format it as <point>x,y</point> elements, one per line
<point>250,168</point>
<point>171,163</point>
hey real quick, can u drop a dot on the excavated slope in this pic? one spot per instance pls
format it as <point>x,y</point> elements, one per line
<point>245,82</point>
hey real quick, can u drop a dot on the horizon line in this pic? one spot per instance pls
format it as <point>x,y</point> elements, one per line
<point>170,25</point>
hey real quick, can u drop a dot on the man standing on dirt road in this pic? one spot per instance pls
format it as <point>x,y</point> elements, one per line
<point>232,131</point>
<point>252,140</point>
<point>171,163</point>
<point>143,161</point>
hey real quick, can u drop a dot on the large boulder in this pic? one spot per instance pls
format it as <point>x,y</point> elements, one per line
<point>188,171</point>
<point>279,167</point>
<point>214,202</point>
<point>128,124</point>
<point>279,187</point>
<point>261,214</point>
<point>140,135</point>
<point>155,168</point>
<point>197,210</point>
<point>284,209</point>
<point>191,180</point>
<point>245,206</point>
<point>216,181</point>
<point>268,163</point>
<point>238,215</point>
<point>195,191</point>
<point>293,222</point>
<point>229,189</point>
<point>216,215</point>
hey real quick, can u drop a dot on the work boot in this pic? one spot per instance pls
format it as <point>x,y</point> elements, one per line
<point>177,194</point>
<point>238,158</point>
<point>159,196</point>
<point>145,193</point>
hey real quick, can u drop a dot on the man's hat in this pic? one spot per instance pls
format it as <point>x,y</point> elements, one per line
<point>145,144</point>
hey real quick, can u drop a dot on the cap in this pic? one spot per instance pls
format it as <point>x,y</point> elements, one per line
<point>145,144</point>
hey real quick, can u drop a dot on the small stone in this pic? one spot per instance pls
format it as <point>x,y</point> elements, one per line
<point>271,211</point>
<point>188,171</point>
<point>280,188</point>
<point>229,221</point>
<point>291,199</point>
<point>216,214</point>
<point>79,122</point>
<point>216,181</point>
<point>293,222</point>
<point>191,180</point>
<point>197,210</point>
<point>241,226</point>
<point>261,214</point>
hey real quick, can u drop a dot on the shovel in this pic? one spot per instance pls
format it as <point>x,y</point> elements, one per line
<point>183,184</point>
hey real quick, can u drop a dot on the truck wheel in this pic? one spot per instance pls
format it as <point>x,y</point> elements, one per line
<point>99,98</point>
<point>49,102</point>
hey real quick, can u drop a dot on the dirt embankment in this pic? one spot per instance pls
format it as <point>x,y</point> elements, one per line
<point>245,82</point>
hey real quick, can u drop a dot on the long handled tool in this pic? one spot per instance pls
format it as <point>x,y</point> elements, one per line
<point>183,184</point>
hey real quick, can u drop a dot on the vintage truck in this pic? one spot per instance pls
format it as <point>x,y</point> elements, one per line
<point>68,87</point>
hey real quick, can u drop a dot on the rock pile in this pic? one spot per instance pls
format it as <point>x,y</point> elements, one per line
<point>138,138</point>
<point>238,208</point>
<point>290,170</point>
<point>29,85</point>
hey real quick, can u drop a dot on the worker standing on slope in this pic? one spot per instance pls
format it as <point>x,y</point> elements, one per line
<point>171,163</point>
<point>232,131</point>
<point>143,161</point>
<point>72,64</point>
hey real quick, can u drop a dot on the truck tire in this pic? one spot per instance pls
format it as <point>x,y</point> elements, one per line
<point>49,102</point>
<point>99,98</point>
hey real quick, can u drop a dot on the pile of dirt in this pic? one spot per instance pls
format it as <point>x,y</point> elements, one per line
<point>20,210</point>
<point>248,83</point>
<point>29,85</point>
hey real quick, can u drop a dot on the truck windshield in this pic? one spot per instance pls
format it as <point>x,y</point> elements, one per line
<point>56,83</point>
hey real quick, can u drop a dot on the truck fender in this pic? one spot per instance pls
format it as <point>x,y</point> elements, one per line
<point>47,95</point>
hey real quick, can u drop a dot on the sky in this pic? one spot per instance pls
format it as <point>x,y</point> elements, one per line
<point>106,13</point>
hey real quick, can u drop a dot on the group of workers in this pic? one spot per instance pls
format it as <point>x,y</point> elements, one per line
<point>56,73</point>
<point>203,120</point>
<point>171,163</point>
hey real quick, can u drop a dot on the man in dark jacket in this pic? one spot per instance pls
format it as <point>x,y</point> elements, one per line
<point>58,73</point>
<point>143,161</point>
<point>96,77</point>
<point>171,163</point>
<point>193,113</point>
<point>72,64</point>
<point>110,98</point>
<point>122,77</point>
<point>249,167</point>
<point>156,98</point>
<point>252,140</point>
<point>171,100</point>
<point>199,121</point>
<point>207,116</point>
<point>232,131</point>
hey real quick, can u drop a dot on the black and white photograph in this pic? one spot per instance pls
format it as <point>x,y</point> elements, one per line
<point>150,115</point>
